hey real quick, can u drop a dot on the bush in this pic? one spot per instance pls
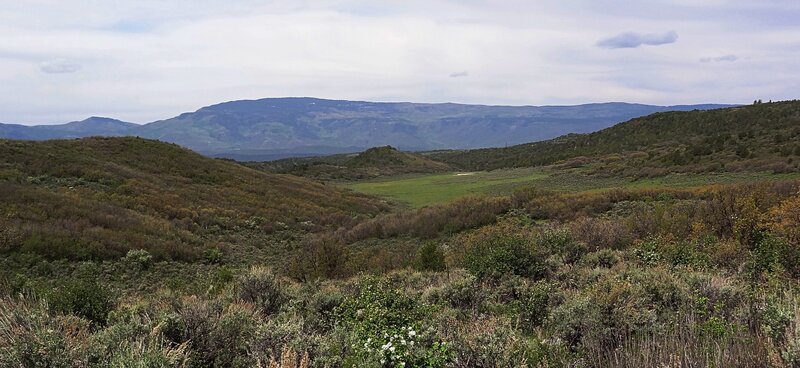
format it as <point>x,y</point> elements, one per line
<point>84,298</point>
<point>30,336</point>
<point>260,287</point>
<point>386,328</point>
<point>430,258</point>
<point>488,342</point>
<point>495,252</point>
<point>139,258</point>
<point>533,305</point>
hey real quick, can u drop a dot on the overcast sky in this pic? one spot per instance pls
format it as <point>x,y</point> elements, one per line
<point>144,60</point>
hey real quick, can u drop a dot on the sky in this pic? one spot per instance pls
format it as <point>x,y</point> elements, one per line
<point>145,60</point>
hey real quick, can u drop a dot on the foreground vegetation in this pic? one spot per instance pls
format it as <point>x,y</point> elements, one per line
<point>133,253</point>
<point>625,278</point>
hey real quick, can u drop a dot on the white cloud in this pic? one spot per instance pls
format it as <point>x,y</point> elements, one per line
<point>729,57</point>
<point>633,40</point>
<point>59,66</point>
<point>147,60</point>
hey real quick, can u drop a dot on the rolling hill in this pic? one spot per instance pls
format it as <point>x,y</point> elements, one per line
<point>286,127</point>
<point>96,198</point>
<point>372,163</point>
<point>755,137</point>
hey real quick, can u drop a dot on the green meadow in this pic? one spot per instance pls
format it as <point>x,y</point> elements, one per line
<point>422,190</point>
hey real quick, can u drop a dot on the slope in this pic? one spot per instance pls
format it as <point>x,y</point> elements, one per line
<point>372,163</point>
<point>757,137</point>
<point>99,197</point>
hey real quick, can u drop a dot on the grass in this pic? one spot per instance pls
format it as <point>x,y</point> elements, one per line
<point>422,190</point>
<point>428,189</point>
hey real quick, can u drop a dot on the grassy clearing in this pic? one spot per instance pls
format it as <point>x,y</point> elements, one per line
<point>422,190</point>
<point>427,189</point>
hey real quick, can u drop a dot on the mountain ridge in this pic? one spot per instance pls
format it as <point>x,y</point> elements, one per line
<point>272,128</point>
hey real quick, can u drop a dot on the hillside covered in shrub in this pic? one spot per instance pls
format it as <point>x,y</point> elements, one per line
<point>762,136</point>
<point>375,162</point>
<point>96,198</point>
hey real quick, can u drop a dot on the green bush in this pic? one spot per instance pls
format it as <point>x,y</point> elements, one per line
<point>139,258</point>
<point>430,258</point>
<point>386,328</point>
<point>503,253</point>
<point>83,298</point>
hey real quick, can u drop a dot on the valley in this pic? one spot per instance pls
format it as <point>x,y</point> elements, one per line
<point>655,238</point>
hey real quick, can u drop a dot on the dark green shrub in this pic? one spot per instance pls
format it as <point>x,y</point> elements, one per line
<point>605,258</point>
<point>503,253</point>
<point>561,241</point>
<point>430,258</point>
<point>84,298</point>
<point>213,255</point>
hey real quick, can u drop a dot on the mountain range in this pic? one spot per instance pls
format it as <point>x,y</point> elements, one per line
<point>273,128</point>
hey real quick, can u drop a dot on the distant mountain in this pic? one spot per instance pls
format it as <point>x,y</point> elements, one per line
<point>272,127</point>
<point>93,126</point>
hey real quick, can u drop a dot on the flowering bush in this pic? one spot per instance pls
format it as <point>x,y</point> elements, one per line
<point>384,329</point>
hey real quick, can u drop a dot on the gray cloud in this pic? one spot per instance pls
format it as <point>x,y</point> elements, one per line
<point>632,40</point>
<point>717,59</point>
<point>459,74</point>
<point>59,66</point>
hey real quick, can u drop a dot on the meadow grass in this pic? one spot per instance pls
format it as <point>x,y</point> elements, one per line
<point>422,190</point>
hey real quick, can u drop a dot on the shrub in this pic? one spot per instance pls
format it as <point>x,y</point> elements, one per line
<point>561,241</point>
<point>488,342</point>
<point>84,298</point>
<point>601,234</point>
<point>386,328</point>
<point>494,252</point>
<point>533,305</point>
<point>30,336</point>
<point>430,258</point>
<point>605,258</point>
<point>139,258</point>
<point>260,287</point>
<point>213,255</point>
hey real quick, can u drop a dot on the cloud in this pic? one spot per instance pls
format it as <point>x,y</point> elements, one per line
<point>59,66</point>
<point>717,59</point>
<point>632,40</point>
<point>459,74</point>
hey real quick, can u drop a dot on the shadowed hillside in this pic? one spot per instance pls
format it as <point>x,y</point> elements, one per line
<point>99,197</point>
